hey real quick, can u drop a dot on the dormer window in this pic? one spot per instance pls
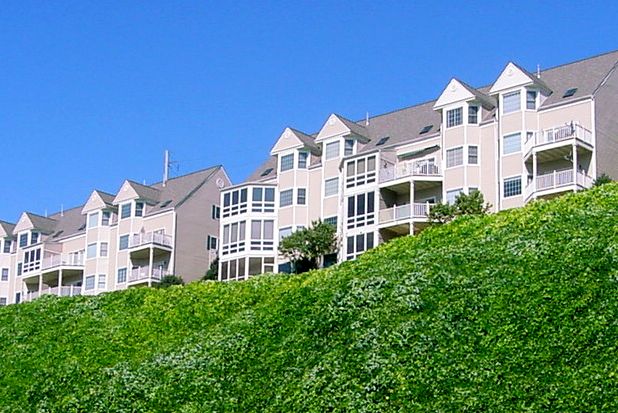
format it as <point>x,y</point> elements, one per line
<point>106,217</point>
<point>511,102</point>
<point>332,150</point>
<point>531,99</point>
<point>287,162</point>
<point>348,147</point>
<point>125,210</point>
<point>139,209</point>
<point>454,117</point>
<point>34,238</point>
<point>302,160</point>
<point>473,115</point>
<point>93,220</point>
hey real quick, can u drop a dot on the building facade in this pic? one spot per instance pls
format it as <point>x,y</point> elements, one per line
<point>113,242</point>
<point>525,136</point>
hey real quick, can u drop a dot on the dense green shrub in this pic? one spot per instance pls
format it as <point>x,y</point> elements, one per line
<point>169,280</point>
<point>513,312</point>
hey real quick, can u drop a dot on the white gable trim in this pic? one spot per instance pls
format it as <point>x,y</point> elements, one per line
<point>125,193</point>
<point>333,127</point>
<point>452,93</point>
<point>511,77</point>
<point>287,140</point>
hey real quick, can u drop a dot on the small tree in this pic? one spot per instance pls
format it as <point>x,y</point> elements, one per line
<point>472,204</point>
<point>305,247</point>
<point>602,180</point>
<point>169,280</point>
<point>213,271</point>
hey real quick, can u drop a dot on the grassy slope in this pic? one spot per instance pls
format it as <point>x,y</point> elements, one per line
<point>512,312</point>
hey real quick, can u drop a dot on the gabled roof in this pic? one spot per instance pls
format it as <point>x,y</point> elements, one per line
<point>292,138</point>
<point>98,200</point>
<point>6,229</point>
<point>338,125</point>
<point>459,91</point>
<point>133,190</point>
<point>28,220</point>
<point>179,189</point>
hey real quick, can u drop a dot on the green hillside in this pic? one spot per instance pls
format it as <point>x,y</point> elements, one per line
<point>515,312</point>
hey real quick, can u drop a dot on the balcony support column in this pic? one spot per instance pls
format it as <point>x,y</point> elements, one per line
<point>150,259</point>
<point>534,174</point>
<point>411,207</point>
<point>574,166</point>
<point>60,282</point>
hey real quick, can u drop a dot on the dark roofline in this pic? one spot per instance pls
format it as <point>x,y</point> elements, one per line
<point>197,188</point>
<point>182,176</point>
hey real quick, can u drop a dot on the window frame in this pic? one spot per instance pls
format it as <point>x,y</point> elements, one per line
<point>90,248</point>
<point>452,150</point>
<point>120,242</point>
<point>301,196</point>
<point>124,271</point>
<point>477,110</point>
<point>92,215</point>
<point>508,180</point>
<point>508,95</point>
<point>328,192</point>
<point>533,101</point>
<point>454,117</point>
<point>329,156</point>
<point>348,147</point>
<point>303,159</point>
<point>283,197</point>
<point>286,162</point>
<point>511,135</point>
<point>476,155</point>
<point>124,212</point>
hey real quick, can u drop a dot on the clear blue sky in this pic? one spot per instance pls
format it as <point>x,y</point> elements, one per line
<point>93,92</point>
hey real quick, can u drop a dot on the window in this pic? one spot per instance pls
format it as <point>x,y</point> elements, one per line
<point>17,298</point>
<point>425,129</point>
<point>262,234</point>
<point>7,246</point>
<point>512,186</point>
<point>211,243</point>
<point>511,102</point>
<point>23,240</point>
<point>332,150</point>
<point>452,195</point>
<point>3,301</point>
<point>301,196</point>
<point>139,209</point>
<point>286,197</point>
<point>258,265</point>
<point>91,250</point>
<point>266,171</point>
<point>473,155</point>
<point>454,117</point>
<point>5,274</point>
<point>569,93</point>
<point>125,211</point>
<point>348,148</point>
<point>331,220</point>
<point>102,282</point>
<point>284,232</point>
<point>473,115</point>
<point>103,249</point>
<point>263,200</point>
<point>454,157</point>
<point>215,212</point>
<point>302,160</point>
<point>121,277</point>
<point>34,238</point>
<point>511,144</point>
<point>531,99</point>
<point>20,267</point>
<point>233,238</point>
<point>89,282</point>
<point>360,172</point>
<point>106,218</point>
<point>383,140</point>
<point>361,210</point>
<point>357,244</point>
<point>331,187</point>
<point>93,220</point>
<point>123,242</point>
<point>287,162</point>
<point>235,202</point>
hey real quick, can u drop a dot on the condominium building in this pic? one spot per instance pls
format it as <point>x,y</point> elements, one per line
<point>523,137</point>
<point>115,241</point>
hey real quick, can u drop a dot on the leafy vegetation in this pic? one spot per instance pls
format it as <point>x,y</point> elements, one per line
<point>513,312</point>
<point>169,280</point>
<point>305,247</point>
<point>472,204</point>
<point>602,179</point>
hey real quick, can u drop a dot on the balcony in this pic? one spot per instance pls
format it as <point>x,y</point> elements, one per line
<point>558,136</point>
<point>394,215</point>
<point>55,262</point>
<point>146,275</point>
<point>64,291</point>
<point>420,169</point>
<point>150,239</point>
<point>558,181</point>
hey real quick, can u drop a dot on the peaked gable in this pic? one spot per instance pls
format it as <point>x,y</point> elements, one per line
<point>98,200</point>
<point>29,221</point>
<point>455,91</point>
<point>132,190</point>
<point>6,229</point>
<point>332,127</point>
<point>511,76</point>
<point>287,140</point>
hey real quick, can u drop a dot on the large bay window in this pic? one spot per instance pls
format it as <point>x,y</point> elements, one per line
<point>360,171</point>
<point>357,244</point>
<point>361,210</point>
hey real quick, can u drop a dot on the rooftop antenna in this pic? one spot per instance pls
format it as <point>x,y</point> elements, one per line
<point>366,118</point>
<point>61,210</point>
<point>166,166</point>
<point>45,212</point>
<point>538,71</point>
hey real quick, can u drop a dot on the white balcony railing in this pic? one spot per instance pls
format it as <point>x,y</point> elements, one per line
<point>557,179</point>
<point>61,260</point>
<point>409,168</point>
<point>404,212</point>
<point>572,130</point>
<point>145,238</point>
<point>64,291</point>
<point>144,273</point>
